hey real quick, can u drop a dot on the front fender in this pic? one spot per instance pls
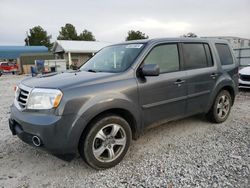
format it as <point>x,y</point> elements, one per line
<point>96,105</point>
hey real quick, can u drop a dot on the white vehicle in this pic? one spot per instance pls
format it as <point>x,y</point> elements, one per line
<point>244,77</point>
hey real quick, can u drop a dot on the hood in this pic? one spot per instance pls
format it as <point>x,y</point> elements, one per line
<point>64,80</point>
<point>245,71</point>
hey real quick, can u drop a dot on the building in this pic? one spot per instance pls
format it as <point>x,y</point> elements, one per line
<point>28,59</point>
<point>13,53</point>
<point>241,47</point>
<point>243,56</point>
<point>76,52</point>
<point>235,42</point>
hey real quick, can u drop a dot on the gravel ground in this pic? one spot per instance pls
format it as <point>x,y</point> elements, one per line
<point>187,153</point>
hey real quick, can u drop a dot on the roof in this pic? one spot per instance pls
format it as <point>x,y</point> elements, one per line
<point>226,37</point>
<point>180,39</point>
<point>29,58</point>
<point>13,52</point>
<point>36,54</point>
<point>78,46</point>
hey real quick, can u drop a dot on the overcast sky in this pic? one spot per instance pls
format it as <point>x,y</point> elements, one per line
<point>109,20</point>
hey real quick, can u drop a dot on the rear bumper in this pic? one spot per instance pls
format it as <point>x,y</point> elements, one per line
<point>53,131</point>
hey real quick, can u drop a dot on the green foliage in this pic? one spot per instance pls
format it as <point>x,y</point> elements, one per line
<point>38,37</point>
<point>68,32</point>
<point>136,35</point>
<point>86,35</point>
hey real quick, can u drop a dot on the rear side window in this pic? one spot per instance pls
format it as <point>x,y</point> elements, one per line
<point>194,56</point>
<point>224,54</point>
<point>209,55</point>
<point>166,56</point>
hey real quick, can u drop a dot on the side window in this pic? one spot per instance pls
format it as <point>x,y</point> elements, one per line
<point>194,56</point>
<point>166,56</point>
<point>209,55</point>
<point>224,54</point>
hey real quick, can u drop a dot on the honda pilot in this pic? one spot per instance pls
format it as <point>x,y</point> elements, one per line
<point>97,110</point>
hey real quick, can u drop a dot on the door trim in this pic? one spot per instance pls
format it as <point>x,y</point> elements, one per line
<point>198,94</point>
<point>150,105</point>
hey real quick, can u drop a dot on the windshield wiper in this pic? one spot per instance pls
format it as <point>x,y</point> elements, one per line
<point>91,70</point>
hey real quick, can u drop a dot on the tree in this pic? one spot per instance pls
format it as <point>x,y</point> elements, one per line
<point>191,35</point>
<point>68,32</point>
<point>38,37</point>
<point>86,35</point>
<point>135,35</point>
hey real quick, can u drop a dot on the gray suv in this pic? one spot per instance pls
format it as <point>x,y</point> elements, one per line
<point>97,110</point>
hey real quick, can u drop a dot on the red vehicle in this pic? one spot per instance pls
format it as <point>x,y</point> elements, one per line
<point>8,67</point>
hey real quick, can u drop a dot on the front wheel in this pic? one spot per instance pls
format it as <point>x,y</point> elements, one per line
<point>106,142</point>
<point>221,108</point>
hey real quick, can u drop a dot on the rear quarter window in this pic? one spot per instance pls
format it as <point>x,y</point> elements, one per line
<point>224,54</point>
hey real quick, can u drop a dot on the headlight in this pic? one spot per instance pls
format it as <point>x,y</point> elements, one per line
<point>44,98</point>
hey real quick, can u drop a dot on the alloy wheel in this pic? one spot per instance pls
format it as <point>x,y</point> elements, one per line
<point>109,143</point>
<point>223,106</point>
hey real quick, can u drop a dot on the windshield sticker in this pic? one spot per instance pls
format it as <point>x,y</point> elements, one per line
<point>134,46</point>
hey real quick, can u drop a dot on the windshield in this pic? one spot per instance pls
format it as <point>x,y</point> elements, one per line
<point>114,59</point>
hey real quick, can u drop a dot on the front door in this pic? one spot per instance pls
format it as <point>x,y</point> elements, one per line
<point>163,97</point>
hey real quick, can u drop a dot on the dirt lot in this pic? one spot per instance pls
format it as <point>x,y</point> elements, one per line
<point>186,153</point>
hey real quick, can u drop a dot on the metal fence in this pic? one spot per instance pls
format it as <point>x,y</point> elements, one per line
<point>243,56</point>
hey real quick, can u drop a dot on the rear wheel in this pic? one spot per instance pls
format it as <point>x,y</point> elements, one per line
<point>106,142</point>
<point>221,108</point>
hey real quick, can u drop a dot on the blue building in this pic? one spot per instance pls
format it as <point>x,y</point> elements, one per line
<point>14,52</point>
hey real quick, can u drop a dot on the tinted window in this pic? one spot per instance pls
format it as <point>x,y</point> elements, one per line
<point>224,54</point>
<point>209,55</point>
<point>194,56</point>
<point>166,56</point>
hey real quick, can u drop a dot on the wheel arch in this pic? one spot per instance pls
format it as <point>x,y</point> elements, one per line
<point>124,113</point>
<point>230,90</point>
<point>222,84</point>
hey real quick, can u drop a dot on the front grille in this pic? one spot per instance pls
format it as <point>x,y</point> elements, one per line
<point>245,77</point>
<point>22,95</point>
<point>22,98</point>
<point>244,85</point>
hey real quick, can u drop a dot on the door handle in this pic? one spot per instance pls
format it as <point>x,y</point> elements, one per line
<point>213,75</point>
<point>179,82</point>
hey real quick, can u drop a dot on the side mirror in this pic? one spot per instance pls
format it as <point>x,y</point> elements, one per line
<point>150,70</point>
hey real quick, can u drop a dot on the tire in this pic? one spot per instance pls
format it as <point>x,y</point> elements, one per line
<point>221,108</point>
<point>106,142</point>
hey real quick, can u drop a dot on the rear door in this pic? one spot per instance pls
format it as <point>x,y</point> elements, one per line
<point>163,97</point>
<point>201,75</point>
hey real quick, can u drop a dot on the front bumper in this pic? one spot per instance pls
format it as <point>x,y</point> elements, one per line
<point>244,84</point>
<point>54,131</point>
